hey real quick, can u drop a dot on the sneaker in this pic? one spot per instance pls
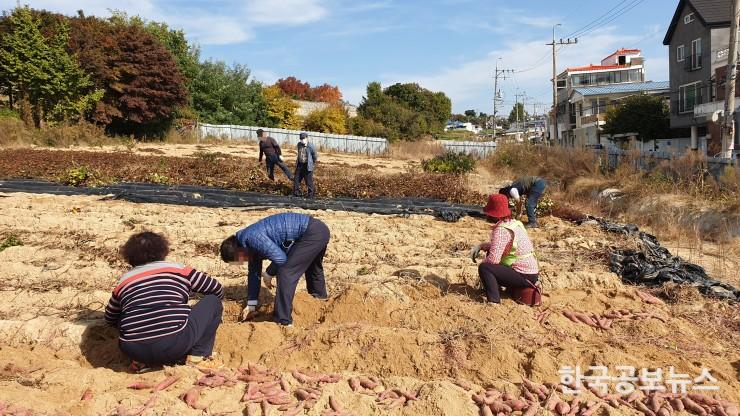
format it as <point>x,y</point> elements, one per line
<point>204,362</point>
<point>532,225</point>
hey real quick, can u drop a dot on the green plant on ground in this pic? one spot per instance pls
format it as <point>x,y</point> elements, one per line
<point>160,179</point>
<point>545,206</point>
<point>80,176</point>
<point>362,271</point>
<point>450,162</point>
<point>10,241</point>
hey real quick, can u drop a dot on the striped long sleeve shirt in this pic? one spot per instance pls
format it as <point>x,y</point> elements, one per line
<point>151,300</point>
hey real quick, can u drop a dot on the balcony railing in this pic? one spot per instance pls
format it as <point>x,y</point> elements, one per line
<point>692,62</point>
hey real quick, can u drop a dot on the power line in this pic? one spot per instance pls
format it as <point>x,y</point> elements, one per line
<point>621,12</point>
<point>595,21</point>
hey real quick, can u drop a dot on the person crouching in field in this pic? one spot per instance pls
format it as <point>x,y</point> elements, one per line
<point>510,261</point>
<point>149,306</point>
<point>295,244</point>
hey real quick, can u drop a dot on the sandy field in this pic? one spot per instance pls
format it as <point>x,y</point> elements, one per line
<point>404,308</point>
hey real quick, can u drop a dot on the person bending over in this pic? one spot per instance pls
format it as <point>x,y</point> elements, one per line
<point>531,187</point>
<point>295,244</point>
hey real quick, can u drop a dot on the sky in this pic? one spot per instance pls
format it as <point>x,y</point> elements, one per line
<point>451,46</point>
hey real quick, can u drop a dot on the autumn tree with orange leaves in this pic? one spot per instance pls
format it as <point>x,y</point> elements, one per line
<point>299,90</point>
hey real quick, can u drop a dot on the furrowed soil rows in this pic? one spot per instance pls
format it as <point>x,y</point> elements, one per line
<point>405,318</point>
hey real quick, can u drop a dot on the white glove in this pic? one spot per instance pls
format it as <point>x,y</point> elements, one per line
<point>248,312</point>
<point>281,158</point>
<point>267,280</point>
<point>474,253</point>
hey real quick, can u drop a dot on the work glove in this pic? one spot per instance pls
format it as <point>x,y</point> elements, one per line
<point>248,313</point>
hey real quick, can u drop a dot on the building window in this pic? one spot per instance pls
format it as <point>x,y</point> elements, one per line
<point>680,53</point>
<point>689,96</point>
<point>694,60</point>
<point>688,18</point>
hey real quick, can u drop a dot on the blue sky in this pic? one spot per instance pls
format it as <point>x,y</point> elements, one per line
<point>445,45</point>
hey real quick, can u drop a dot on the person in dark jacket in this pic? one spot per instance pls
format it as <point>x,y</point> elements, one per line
<point>305,163</point>
<point>149,306</point>
<point>273,155</point>
<point>530,186</point>
<point>295,244</point>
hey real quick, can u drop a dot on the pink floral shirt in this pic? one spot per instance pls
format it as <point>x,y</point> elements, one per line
<point>501,241</point>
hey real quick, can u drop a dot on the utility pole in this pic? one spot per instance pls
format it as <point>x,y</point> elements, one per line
<point>496,94</point>
<point>555,81</point>
<point>728,139</point>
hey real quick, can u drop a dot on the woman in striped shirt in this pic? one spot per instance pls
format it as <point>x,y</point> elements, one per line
<point>510,261</point>
<point>149,306</point>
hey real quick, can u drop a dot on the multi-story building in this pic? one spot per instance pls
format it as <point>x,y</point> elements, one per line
<point>621,67</point>
<point>698,38</point>
<point>591,103</point>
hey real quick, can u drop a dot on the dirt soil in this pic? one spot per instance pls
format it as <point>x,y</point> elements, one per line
<point>404,307</point>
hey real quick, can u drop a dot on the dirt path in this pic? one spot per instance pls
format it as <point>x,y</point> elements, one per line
<point>417,330</point>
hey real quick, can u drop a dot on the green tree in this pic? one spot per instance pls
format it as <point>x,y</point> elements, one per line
<point>518,113</point>
<point>406,111</point>
<point>41,77</point>
<point>643,114</point>
<point>470,114</point>
<point>223,95</point>
<point>332,119</point>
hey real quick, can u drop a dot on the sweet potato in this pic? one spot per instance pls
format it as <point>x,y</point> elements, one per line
<point>354,384</point>
<point>278,399</point>
<point>408,395</point>
<point>702,399</point>
<point>635,395</point>
<point>562,408</point>
<point>570,315</point>
<point>592,409</point>
<point>575,406</point>
<point>648,298</point>
<point>532,409</point>
<point>191,397</point>
<point>87,396</point>
<point>692,407</point>
<point>369,384</point>
<point>140,385</point>
<point>677,404</point>
<point>293,411</point>
<point>642,407</point>
<point>529,396</point>
<point>516,404</point>
<point>731,409</point>
<point>164,384</point>
<point>485,410</point>
<point>654,402</point>
<point>664,411</point>
<point>463,384</point>
<point>334,404</point>
<point>507,396</point>
<point>551,402</point>
<point>597,392</point>
<point>396,403</point>
<point>256,378</point>
<point>500,407</point>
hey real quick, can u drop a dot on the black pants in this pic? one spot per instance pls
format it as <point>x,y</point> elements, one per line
<point>273,160</point>
<point>494,275</point>
<point>301,172</point>
<point>196,338</point>
<point>306,256</point>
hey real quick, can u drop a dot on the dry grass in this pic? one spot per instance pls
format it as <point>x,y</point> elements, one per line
<point>418,150</point>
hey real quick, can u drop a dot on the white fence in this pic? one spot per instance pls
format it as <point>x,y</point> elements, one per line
<point>480,149</point>
<point>340,142</point>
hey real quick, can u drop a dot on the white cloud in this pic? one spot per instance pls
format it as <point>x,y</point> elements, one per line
<point>470,83</point>
<point>213,30</point>
<point>265,76</point>
<point>145,8</point>
<point>285,12</point>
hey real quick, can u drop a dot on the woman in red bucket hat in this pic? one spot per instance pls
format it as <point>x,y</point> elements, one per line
<point>510,261</point>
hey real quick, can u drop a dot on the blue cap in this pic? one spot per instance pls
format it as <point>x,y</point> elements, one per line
<point>303,135</point>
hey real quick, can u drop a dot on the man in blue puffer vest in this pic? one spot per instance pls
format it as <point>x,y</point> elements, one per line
<point>295,244</point>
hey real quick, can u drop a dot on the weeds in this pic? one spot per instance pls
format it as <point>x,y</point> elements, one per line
<point>10,241</point>
<point>80,176</point>
<point>450,162</point>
